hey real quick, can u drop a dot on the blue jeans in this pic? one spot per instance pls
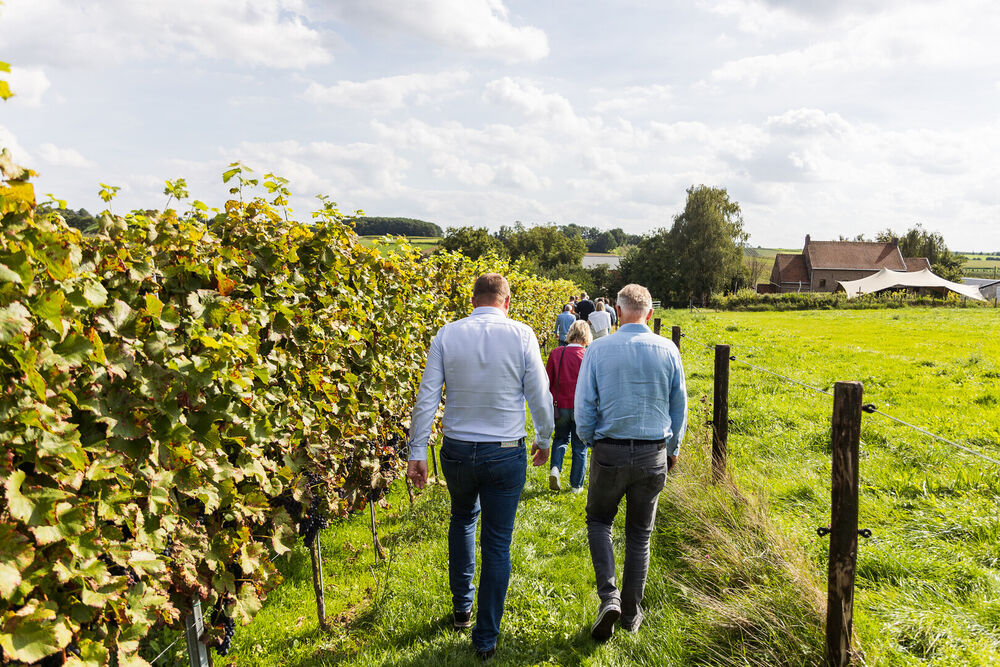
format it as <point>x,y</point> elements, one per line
<point>487,479</point>
<point>564,431</point>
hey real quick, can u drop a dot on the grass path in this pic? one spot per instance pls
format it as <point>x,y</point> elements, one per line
<point>396,612</point>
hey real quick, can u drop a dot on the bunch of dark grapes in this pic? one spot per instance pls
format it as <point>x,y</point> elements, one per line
<point>314,519</point>
<point>168,550</point>
<point>220,617</point>
<point>116,570</point>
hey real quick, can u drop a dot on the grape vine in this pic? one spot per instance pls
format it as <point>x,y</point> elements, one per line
<point>186,395</point>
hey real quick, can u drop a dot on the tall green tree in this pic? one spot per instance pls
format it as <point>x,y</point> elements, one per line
<point>473,242</point>
<point>545,246</point>
<point>700,254</point>
<point>918,242</point>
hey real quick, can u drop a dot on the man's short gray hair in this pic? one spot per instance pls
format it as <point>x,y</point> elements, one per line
<point>634,299</point>
<point>567,308</point>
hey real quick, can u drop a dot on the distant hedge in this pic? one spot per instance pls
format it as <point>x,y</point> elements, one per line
<point>396,227</point>
<point>749,300</point>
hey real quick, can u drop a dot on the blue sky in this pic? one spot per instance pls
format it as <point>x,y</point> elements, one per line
<point>819,118</point>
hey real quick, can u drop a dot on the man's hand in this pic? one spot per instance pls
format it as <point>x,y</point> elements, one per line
<point>539,455</point>
<point>671,462</point>
<point>417,472</point>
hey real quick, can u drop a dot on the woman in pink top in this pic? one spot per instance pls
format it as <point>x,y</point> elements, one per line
<point>563,367</point>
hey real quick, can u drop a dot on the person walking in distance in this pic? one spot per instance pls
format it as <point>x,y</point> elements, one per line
<point>491,366</point>
<point>631,404</point>
<point>564,321</point>
<point>584,307</point>
<point>563,367</point>
<point>600,321</point>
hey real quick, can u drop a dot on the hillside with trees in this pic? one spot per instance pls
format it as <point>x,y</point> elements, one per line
<point>377,226</point>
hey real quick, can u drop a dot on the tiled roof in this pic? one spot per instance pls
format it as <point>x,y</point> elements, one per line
<point>917,263</point>
<point>789,269</point>
<point>858,255</point>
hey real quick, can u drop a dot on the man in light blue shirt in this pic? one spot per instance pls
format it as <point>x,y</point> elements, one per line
<point>631,404</point>
<point>491,365</point>
<point>564,321</point>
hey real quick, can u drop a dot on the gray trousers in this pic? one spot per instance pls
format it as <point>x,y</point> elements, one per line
<point>637,472</point>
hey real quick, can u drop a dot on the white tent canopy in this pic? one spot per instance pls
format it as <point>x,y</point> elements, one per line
<point>888,279</point>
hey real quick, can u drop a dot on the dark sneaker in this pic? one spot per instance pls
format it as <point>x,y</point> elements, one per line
<point>607,616</point>
<point>462,620</point>
<point>487,654</point>
<point>633,624</point>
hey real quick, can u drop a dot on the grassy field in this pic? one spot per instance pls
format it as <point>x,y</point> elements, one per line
<point>738,574</point>
<point>421,242</point>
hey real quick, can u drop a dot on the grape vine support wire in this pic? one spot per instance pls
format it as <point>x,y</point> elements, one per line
<point>164,651</point>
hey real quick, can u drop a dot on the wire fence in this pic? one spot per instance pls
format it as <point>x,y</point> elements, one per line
<point>869,408</point>
<point>932,588</point>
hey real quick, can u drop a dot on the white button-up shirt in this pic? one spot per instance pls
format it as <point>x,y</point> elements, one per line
<point>490,365</point>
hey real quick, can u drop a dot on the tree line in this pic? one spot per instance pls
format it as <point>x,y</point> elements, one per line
<point>702,253</point>
<point>379,226</point>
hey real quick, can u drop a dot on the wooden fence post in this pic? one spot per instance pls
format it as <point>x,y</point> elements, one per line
<point>675,335</point>
<point>846,435</point>
<point>316,553</point>
<point>656,325</point>
<point>720,412</point>
<point>194,628</point>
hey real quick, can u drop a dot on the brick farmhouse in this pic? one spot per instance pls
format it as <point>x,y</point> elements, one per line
<point>822,264</point>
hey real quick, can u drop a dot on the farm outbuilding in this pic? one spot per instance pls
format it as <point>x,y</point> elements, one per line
<point>922,280</point>
<point>822,265</point>
<point>988,287</point>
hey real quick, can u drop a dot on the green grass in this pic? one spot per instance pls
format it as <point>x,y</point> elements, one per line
<point>928,588</point>
<point>421,242</point>
<point>738,574</point>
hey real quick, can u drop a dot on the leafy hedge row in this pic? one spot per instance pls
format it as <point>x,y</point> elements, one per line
<point>177,389</point>
<point>749,300</point>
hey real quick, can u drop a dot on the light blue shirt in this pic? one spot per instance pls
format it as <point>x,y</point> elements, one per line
<point>631,386</point>
<point>564,321</point>
<point>490,365</point>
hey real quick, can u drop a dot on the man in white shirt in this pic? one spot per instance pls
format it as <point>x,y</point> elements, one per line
<point>491,366</point>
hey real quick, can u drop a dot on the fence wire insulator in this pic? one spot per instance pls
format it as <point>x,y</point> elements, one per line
<point>823,531</point>
<point>732,358</point>
<point>870,408</point>
<point>865,533</point>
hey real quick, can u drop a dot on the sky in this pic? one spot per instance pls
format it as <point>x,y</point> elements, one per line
<point>822,118</point>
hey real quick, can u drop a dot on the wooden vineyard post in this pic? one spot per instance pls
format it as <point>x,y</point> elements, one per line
<point>316,553</point>
<point>720,412</point>
<point>656,325</point>
<point>194,628</point>
<point>379,551</point>
<point>843,522</point>
<point>409,490</point>
<point>675,335</point>
<point>434,462</point>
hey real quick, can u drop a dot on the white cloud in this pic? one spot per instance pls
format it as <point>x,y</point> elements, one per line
<point>17,152</point>
<point>477,26</point>
<point>549,109</point>
<point>270,33</point>
<point>386,93</point>
<point>64,157</point>
<point>866,42</point>
<point>29,85</point>
<point>634,99</point>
